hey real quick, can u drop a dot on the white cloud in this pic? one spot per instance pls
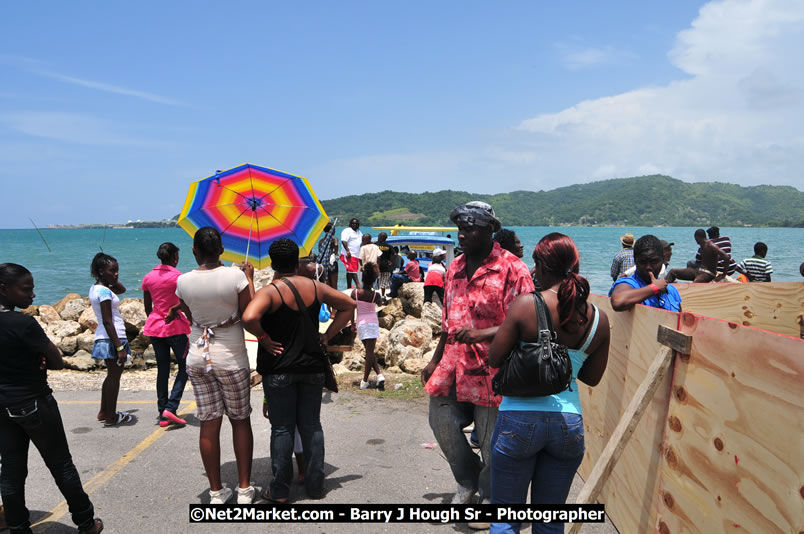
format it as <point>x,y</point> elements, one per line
<point>69,127</point>
<point>109,88</point>
<point>738,117</point>
<point>588,57</point>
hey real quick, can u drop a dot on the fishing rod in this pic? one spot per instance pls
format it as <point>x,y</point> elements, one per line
<point>40,234</point>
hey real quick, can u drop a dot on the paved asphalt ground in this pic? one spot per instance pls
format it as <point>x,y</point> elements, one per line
<point>141,478</point>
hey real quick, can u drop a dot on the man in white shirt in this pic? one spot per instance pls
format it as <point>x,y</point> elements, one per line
<point>351,239</point>
<point>370,253</point>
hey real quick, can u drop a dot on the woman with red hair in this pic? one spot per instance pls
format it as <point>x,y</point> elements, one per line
<point>538,441</point>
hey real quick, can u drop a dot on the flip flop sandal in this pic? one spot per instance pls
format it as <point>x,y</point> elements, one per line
<point>97,527</point>
<point>266,495</point>
<point>118,414</point>
<point>123,418</point>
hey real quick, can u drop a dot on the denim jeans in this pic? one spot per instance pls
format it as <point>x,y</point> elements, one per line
<point>448,417</point>
<point>540,449</point>
<point>397,280</point>
<point>162,347</point>
<point>43,427</point>
<point>294,401</point>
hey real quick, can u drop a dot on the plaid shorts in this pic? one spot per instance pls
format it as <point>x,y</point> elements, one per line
<point>385,280</point>
<point>218,392</point>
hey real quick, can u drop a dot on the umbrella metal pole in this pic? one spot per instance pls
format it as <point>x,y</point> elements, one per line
<point>248,243</point>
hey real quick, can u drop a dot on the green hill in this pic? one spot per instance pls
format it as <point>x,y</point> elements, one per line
<point>641,201</point>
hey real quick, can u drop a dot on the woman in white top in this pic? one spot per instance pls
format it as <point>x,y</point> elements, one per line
<point>213,297</point>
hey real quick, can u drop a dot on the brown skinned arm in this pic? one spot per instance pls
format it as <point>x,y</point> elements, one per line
<point>342,303</point>
<point>147,302</point>
<point>624,297</point>
<point>52,355</point>
<point>434,361</point>
<point>508,333</point>
<point>595,365</point>
<point>108,324</point>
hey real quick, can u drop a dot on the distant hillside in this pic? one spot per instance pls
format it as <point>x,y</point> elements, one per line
<point>641,201</point>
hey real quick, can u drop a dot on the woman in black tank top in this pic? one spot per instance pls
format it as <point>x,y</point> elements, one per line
<point>292,374</point>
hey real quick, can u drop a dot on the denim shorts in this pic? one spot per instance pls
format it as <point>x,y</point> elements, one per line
<point>104,349</point>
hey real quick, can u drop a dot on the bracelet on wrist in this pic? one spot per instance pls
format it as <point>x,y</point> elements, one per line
<point>655,289</point>
<point>262,337</point>
<point>120,348</point>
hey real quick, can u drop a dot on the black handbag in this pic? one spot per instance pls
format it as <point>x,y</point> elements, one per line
<point>314,345</point>
<point>535,369</point>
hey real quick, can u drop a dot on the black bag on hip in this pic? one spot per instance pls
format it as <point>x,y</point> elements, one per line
<point>535,369</point>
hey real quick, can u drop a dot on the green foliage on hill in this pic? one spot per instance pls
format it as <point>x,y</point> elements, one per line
<point>641,201</point>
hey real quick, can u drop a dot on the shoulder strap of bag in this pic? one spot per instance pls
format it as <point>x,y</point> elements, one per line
<point>545,323</point>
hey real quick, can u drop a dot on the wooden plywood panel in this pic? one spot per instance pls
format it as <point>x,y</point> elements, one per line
<point>767,306</point>
<point>734,455</point>
<point>631,491</point>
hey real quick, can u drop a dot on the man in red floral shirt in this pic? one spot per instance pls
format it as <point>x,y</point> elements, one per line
<point>479,286</point>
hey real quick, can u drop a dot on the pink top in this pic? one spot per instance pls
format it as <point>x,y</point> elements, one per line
<point>161,284</point>
<point>412,269</point>
<point>366,312</point>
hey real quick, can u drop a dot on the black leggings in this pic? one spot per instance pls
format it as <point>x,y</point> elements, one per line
<point>428,293</point>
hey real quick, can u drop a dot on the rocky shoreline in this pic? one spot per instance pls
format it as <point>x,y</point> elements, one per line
<point>409,331</point>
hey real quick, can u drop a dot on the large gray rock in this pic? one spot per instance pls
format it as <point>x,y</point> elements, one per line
<point>63,328</point>
<point>413,366</point>
<point>263,277</point>
<point>431,314</point>
<point>412,297</point>
<point>381,347</point>
<point>386,322</point>
<point>72,309</point>
<point>85,341</point>
<point>31,310</point>
<point>80,361</point>
<point>59,306</point>
<point>392,309</point>
<point>149,356</point>
<point>133,312</point>
<point>408,339</point>
<point>68,345</point>
<point>87,319</point>
<point>140,343</point>
<point>49,314</point>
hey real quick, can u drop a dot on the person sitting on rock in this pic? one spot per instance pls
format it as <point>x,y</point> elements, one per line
<point>434,281</point>
<point>411,274</point>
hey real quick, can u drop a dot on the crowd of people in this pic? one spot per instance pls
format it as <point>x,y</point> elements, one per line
<point>486,295</point>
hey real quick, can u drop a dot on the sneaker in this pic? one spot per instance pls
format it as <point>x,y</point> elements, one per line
<point>221,496</point>
<point>477,525</point>
<point>381,382</point>
<point>245,495</point>
<point>364,384</point>
<point>463,495</point>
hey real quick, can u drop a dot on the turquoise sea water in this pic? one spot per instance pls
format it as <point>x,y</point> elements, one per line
<point>66,268</point>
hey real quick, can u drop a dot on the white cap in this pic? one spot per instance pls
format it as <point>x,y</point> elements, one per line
<point>439,252</point>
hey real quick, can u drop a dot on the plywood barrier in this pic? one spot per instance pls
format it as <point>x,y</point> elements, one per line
<point>734,449</point>
<point>631,490</point>
<point>720,446</point>
<point>770,306</point>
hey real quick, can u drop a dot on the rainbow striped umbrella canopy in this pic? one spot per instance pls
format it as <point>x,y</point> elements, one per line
<point>253,206</point>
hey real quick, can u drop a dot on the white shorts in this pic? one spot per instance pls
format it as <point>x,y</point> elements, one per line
<point>368,331</point>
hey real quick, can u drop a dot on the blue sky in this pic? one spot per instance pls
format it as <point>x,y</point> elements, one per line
<point>108,110</point>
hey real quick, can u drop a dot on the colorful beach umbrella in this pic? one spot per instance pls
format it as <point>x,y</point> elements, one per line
<point>252,207</point>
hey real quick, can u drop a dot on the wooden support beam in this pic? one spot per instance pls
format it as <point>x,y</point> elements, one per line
<point>681,343</point>
<point>622,433</point>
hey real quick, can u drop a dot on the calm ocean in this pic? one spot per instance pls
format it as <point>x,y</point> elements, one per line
<point>66,268</point>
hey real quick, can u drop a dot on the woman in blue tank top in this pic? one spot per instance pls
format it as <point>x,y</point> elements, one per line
<point>539,441</point>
